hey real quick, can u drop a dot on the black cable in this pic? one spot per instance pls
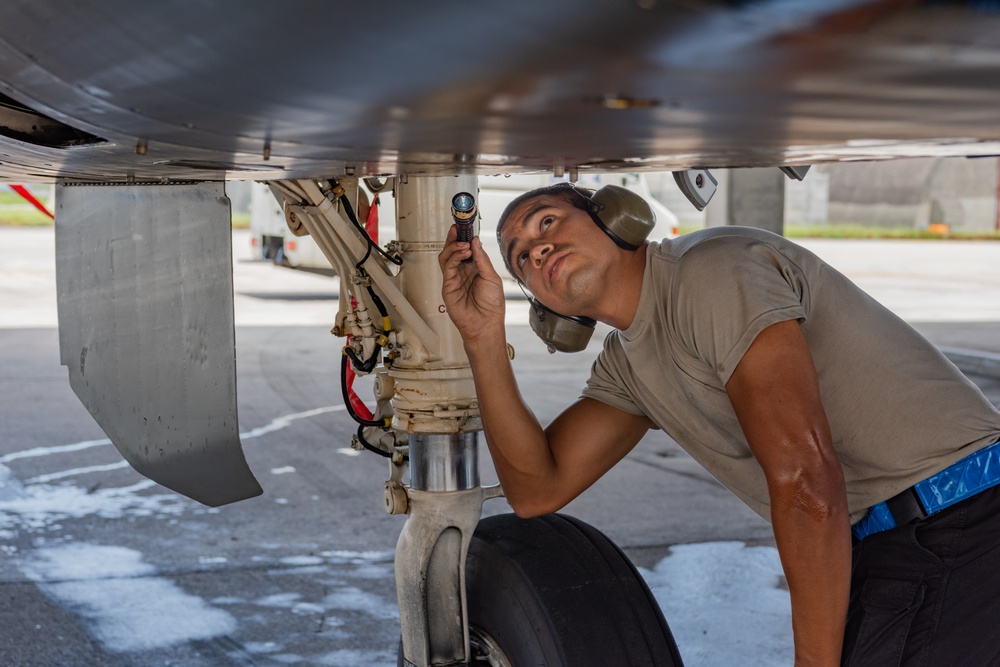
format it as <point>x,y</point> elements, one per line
<point>366,366</point>
<point>368,253</point>
<point>378,302</point>
<point>347,397</point>
<point>370,447</point>
<point>398,261</point>
<point>362,422</point>
<point>369,364</point>
<point>352,216</point>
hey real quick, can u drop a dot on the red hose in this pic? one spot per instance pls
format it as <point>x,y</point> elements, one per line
<point>359,406</point>
<point>371,226</point>
<point>371,223</point>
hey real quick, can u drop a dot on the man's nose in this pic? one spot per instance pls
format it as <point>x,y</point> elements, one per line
<point>539,251</point>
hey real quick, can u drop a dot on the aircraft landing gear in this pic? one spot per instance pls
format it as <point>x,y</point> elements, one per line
<point>503,592</point>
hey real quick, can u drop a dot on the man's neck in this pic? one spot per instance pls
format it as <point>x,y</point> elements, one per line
<point>622,302</point>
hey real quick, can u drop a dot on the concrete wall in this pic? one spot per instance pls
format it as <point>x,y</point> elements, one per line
<point>959,192</point>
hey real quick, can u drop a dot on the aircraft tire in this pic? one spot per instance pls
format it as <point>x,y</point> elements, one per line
<point>555,591</point>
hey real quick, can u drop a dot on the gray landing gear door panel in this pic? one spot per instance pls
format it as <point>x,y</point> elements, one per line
<point>145,284</point>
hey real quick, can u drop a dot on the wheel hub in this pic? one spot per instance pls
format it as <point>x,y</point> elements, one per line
<point>486,650</point>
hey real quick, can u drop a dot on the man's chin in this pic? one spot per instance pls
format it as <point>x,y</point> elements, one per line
<point>576,297</point>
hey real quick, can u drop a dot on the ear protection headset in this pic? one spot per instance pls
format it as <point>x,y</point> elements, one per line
<point>627,219</point>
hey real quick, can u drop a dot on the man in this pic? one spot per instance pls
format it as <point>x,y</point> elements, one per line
<point>800,393</point>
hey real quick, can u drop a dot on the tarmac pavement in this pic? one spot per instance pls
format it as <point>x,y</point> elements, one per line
<point>101,567</point>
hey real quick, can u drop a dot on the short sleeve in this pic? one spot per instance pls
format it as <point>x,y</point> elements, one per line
<point>606,381</point>
<point>729,289</point>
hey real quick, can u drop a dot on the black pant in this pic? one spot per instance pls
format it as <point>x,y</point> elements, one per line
<point>928,593</point>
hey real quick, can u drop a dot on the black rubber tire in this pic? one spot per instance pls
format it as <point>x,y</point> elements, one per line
<point>555,591</point>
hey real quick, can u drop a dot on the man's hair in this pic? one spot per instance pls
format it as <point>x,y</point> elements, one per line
<point>569,192</point>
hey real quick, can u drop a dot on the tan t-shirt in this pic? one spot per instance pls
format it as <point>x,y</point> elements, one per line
<point>899,411</point>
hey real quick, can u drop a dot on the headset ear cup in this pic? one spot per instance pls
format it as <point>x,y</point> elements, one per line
<point>559,332</point>
<point>625,216</point>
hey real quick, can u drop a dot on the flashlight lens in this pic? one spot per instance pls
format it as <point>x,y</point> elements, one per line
<point>463,202</point>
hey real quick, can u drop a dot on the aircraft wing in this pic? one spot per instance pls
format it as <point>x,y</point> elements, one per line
<point>118,90</point>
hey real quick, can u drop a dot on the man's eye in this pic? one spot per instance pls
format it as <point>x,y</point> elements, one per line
<point>546,222</point>
<point>522,258</point>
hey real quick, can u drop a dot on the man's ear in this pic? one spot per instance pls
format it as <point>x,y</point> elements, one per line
<point>623,215</point>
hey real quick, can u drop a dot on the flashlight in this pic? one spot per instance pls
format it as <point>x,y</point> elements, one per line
<point>464,212</point>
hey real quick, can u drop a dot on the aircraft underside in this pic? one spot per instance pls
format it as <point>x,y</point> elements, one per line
<point>115,92</point>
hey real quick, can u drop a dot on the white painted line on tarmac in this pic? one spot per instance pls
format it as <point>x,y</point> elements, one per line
<point>348,451</point>
<point>43,479</point>
<point>275,424</point>
<point>47,451</point>
<point>283,422</point>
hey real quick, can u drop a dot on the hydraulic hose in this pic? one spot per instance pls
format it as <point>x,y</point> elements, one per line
<point>370,447</point>
<point>366,366</point>
<point>348,403</point>
<point>352,216</point>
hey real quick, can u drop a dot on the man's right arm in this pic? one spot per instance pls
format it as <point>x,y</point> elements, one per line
<point>540,469</point>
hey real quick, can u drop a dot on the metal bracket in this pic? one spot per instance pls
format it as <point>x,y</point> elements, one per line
<point>698,185</point>
<point>795,173</point>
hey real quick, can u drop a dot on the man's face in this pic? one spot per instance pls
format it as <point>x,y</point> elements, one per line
<point>557,251</point>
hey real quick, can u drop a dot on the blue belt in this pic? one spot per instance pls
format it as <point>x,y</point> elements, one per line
<point>959,481</point>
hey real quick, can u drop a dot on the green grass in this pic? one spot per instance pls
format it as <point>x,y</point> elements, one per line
<point>9,198</point>
<point>31,218</point>
<point>27,217</point>
<point>16,212</point>
<point>42,192</point>
<point>858,231</point>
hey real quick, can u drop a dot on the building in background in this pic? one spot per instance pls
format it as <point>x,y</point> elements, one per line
<point>956,194</point>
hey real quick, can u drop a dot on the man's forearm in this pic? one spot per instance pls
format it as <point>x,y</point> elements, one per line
<point>813,538</point>
<point>515,438</point>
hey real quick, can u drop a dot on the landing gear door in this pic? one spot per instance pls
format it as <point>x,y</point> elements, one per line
<point>146,329</point>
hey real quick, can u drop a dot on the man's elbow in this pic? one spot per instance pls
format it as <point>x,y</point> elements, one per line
<point>529,508</point>
<point>820,495</point>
